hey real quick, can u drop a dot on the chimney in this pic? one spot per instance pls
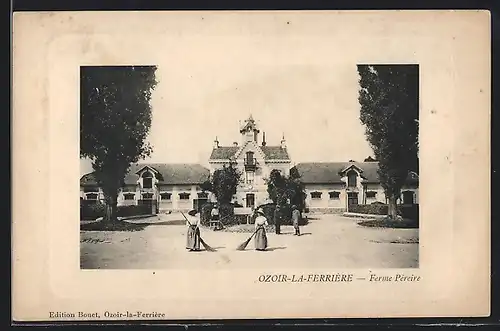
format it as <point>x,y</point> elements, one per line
<point>216,143</point>
<point>235,144</point>
<point>263,139</point>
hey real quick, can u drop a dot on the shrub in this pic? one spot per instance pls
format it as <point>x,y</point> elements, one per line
<point>96,210</point>
<point>91,211</point>
<point>205,214</point>
<point>408,211</point>
<point>133,210</point>
<point>226,210</point>
<point>375,209</point>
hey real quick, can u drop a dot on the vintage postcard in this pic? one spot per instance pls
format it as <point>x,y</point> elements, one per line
<point>267,164</point>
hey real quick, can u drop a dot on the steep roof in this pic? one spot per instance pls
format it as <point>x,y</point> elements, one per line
<point>171,173</point>
<point>329,172</point>
<point>270,152</point>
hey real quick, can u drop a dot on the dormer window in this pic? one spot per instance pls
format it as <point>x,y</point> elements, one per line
<point>352,177</point>
<point>147,180</point>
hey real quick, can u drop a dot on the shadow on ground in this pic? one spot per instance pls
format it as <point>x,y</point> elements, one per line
<point>124,225</point>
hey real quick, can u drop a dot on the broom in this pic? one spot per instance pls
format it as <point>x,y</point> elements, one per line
<point>244,244</point>
<point>205,245</point>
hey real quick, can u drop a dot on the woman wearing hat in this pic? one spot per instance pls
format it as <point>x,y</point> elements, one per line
<point>193,233</point>
<point>260,231</point>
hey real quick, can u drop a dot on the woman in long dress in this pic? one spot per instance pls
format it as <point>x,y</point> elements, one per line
<point>193,233</point>
<point>260,231</point>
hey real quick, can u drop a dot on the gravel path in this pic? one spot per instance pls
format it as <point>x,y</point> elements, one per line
<point>328,241</point>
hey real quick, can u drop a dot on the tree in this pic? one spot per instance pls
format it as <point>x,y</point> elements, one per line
<point>223,183</point>
<point>283,190</point>
<point>115,118</point>
<point>389,102</point>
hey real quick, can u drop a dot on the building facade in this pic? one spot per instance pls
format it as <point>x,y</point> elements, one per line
<point>334,186</point>
<point>164,187</point>
<point>254,159</point>
<point>329,186</point>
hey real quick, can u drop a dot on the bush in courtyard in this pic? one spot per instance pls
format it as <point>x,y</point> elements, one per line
<point>205,214</point>
<point>226,210</point>
<point>406,211</point>
<point>91,211</point>
<point>133,210</point>
<point>96,210</point>
<point>374,209</point>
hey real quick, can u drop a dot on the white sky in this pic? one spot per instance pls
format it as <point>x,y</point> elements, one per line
<point>309,96</point>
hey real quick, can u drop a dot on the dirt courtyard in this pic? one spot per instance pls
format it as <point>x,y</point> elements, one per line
<point>328,241</point>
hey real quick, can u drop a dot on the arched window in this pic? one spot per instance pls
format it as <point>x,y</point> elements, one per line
<point>147,180</point>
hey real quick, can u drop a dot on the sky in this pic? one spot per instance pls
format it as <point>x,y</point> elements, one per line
<point>306,95</point>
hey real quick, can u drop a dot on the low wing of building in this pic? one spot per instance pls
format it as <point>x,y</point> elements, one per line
<point>333,186</point>
<point>168,186</point>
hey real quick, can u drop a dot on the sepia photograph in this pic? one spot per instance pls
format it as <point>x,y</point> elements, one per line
<point>276,164</point>
<point>259,185</point>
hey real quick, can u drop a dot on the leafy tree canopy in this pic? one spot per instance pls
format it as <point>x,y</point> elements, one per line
<point>115,118</point>
<point>389,99</point>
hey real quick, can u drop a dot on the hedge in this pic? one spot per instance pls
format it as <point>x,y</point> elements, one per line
<point>93,211</point>
<point>409,211</point>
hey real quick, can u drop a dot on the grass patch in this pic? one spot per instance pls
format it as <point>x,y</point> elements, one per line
<point>388,222</point>
<point>121,226</point>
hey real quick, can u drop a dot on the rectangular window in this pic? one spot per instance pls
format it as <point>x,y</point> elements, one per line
<point>147,182</point>
<point>334,195</point>
<point>92,196</point>
<point>250,177</point>
<point>129,196</point>
<point>352,198</point>
<point>351,179</point>
<point>371,194</point>
<point>147,196</point>
<point>184,196</point>
<point>315,195</point>
<point>165,196</point>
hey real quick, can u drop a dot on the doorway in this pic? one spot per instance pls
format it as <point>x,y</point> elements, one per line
<point>352,198</point>
<point>250,200</point>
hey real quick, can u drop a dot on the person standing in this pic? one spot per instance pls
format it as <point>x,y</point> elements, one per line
<point>193,233</point>
<point>260,231</point>
<point>295,220</point>
<point>214,217</point>
<point>277,219</point>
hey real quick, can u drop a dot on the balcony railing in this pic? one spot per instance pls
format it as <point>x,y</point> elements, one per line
<point>250,164</point>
